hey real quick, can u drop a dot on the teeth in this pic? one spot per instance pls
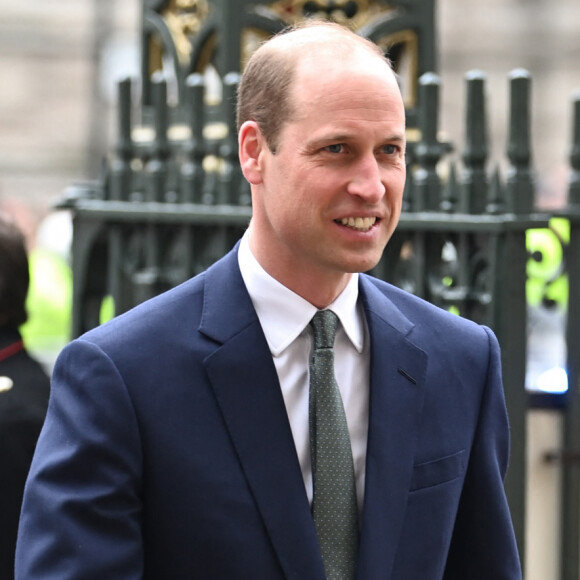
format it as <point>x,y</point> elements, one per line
<point>359,223</point>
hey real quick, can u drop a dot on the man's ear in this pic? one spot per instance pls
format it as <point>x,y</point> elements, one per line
<point>251,145</point>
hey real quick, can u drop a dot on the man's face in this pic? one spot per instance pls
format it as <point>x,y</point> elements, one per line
<point>329,199</point>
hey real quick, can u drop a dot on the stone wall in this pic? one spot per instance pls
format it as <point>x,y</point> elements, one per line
<point>53,108</point>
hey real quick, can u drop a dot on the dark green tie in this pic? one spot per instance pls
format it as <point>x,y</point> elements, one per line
<point>334,503</point>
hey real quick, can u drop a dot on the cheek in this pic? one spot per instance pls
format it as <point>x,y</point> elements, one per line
<point>396,186</point>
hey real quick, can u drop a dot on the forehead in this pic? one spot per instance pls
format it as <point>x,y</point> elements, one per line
<point>358,87</point>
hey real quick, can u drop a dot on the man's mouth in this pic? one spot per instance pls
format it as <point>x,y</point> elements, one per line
<point>361,224</point>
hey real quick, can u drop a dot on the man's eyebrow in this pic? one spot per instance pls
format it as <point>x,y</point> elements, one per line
<point>401,138</point>
<point>347,136</point>
<point>334,137</point>
<point>324,140</point>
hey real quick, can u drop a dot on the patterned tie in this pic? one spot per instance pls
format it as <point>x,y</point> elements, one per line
<point>334,504</point>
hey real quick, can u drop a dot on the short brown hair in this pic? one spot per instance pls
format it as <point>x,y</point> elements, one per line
<point>14,274</point>
<point>264,91</point>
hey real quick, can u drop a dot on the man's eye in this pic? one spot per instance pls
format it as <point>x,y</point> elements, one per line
<point>390,149</point>
<point>336,148</point>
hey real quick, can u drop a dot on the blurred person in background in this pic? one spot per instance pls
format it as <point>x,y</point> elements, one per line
<point>24,389</point>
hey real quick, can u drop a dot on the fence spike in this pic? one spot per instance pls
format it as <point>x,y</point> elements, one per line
<point>228,150</point>
<point>121,165</point>
<point>156,167</point>
<point>428,150</point>
<point>191,174</point>
<point>574,187</point>
<point>520,187</point>
<point>475,151</point>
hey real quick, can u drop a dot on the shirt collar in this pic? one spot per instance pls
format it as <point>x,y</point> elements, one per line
<point>284,315</point>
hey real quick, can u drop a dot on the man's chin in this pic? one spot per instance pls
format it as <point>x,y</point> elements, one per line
<point>359,265</point>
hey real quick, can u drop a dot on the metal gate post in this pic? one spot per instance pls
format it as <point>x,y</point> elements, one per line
<point>570,501</point>
<point>510,327</point>
<point>571,437</point>
<point>511,311</point>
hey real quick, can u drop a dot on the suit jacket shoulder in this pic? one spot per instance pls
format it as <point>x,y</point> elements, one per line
<point>428,326</point>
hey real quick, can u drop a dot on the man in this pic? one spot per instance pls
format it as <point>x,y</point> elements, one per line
<point>24,390</point>
<point>178,444</point>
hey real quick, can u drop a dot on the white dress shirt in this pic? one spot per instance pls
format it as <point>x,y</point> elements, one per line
<point>285,318</point>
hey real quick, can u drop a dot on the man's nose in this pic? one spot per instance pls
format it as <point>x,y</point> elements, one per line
<point>366,180</point>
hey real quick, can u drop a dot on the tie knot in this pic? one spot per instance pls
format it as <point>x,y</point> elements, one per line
<point>324,324</point>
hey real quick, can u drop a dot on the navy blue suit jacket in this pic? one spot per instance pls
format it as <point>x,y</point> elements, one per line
<point>167,451</point>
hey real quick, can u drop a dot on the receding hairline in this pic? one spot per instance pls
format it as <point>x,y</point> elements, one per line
<point>318,33</point>
<point>265,93</point>
<point>321,34</point>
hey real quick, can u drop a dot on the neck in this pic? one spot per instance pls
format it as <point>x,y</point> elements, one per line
<point>313,291</point>
<point>320,288</point>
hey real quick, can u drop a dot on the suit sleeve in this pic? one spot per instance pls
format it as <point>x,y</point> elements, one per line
<point>483,544</point>
<point>81,509</point>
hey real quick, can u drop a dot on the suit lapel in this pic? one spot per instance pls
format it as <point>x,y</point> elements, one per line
<point>396,396</point>
<point>247,389</point>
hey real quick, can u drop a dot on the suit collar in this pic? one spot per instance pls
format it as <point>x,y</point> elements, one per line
<point>227,308</point>
<point>378,305</point>
<point>284,314</point>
